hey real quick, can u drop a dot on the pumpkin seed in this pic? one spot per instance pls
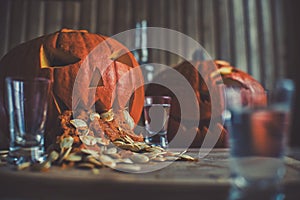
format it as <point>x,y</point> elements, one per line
<point>107,116</point>
<point>187,157</point>
<point>102,141</point>
<point>23,165</point>
<point>67,142</point>
<point>169,153</point>
<point>118,143</point>
<point>150,155</point>
<point>128,168</point>
<point>94,161</point>
<point>94,116</point>
<point>102,149</point>
<point>83,131</point>
<point>128,119</point>
<point>142,145</point>
<point>74,157</point>
<point>88,140</point>
<point>139,158</point>
<point>154,149</point>
<point>64,155</point>
<point>112,150</point>
<point>90,152</point>
<point>78,123</point>
<point>171,158</point>
<point>136,148</point>
<point>159,159</point>
<point>115,156</point>
<point>126,146</point>
<point>125,160</point>
<point>53,156</point>
<point>107,161</point>
<point>128,139</point>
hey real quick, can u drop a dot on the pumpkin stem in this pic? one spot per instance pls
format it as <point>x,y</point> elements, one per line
<point>66,30</point>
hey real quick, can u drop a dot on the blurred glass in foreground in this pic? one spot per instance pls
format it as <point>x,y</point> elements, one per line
<point>258,134</point>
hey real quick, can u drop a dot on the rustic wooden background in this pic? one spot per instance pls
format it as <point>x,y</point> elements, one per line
<point>249,34</point>
<point>257,36</point>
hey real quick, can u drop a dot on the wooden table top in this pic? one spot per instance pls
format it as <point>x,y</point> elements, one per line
<point>208,178</point>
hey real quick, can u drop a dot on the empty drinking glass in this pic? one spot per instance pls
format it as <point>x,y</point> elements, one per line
<point>27,110</point>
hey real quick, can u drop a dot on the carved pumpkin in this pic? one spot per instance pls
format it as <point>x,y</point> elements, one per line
<point>60,56</point>
<point>231,77</point>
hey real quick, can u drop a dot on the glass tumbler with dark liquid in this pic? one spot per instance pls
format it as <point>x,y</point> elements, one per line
<point>156,114</point>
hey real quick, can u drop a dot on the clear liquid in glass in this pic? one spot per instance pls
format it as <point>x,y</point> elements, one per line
<point>156,123</point>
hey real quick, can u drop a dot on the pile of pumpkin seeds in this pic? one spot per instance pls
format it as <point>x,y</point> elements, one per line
<point>122,154</point>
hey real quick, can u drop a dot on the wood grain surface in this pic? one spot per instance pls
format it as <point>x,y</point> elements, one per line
<point>208,178</point>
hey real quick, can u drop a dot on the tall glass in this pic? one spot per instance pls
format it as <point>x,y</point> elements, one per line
<point>27,109</point>
<point>258,134</point>
<point>156,114</point>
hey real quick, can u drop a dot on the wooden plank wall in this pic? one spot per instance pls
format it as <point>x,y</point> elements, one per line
<point>250,34</point>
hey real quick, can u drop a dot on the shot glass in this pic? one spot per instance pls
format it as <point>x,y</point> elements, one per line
<point>258,134</point>
<point>156,115</point>
<point>27,109</point>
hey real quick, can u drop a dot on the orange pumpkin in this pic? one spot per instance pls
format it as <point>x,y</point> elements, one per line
<point>231,77</point>
<point>90,64</point>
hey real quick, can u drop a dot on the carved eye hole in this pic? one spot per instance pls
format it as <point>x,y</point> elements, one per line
<point>56,58</point>
<point>97,80</point>
<point>122,57</point>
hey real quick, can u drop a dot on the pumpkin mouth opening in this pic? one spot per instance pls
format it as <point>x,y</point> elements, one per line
<point>98,105</point>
